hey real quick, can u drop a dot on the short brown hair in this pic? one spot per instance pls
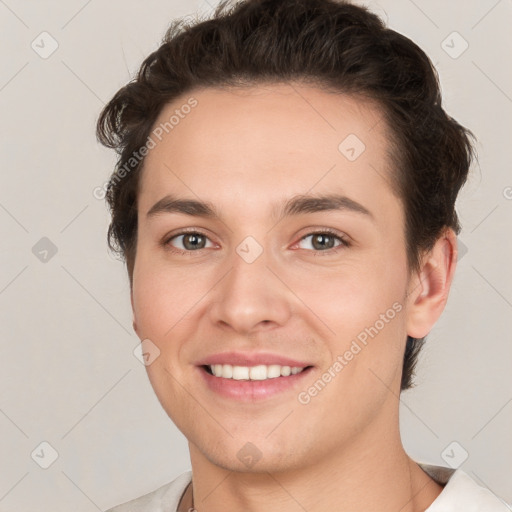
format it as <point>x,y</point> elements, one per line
<point>334,45</point>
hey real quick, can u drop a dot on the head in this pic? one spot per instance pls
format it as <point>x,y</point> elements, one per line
<point>265,101</point>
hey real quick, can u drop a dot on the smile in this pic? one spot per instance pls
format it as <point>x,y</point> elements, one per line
<point>253,383</point>
<point>259,372</point>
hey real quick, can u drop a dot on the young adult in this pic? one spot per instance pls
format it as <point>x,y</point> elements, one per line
<point>285,202</point>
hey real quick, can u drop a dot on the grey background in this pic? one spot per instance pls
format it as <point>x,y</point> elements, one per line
<point>68,375</point>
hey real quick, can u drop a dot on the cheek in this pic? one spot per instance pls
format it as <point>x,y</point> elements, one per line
<point>163,296</point>
<point>353,296</point>
<point>362,307</point>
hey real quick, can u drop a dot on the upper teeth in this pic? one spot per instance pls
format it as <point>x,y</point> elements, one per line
<point>260,372</point>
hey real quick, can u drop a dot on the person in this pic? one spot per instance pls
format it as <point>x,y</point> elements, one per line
<point>284,199</point>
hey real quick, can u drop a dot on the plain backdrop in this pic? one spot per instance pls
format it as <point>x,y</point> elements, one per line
<point>68,374</point>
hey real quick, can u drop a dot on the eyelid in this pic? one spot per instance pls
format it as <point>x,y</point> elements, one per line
<point>166,240</point>
<point>342,237</point>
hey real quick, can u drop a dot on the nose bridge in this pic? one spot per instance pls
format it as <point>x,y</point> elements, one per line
<point>250,296</point>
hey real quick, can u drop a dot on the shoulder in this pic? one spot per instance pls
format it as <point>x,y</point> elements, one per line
<point>461,493</point>
<point>163,499</point>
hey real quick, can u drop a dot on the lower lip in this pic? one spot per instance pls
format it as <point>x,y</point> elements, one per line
<point>252,390</point>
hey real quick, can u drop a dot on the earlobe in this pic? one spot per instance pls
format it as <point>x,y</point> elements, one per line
<point>429,289</point>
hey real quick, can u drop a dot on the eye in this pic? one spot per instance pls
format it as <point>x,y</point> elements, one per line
<point>192,241</point>
<point>323,241</point>
<point>188,241</point>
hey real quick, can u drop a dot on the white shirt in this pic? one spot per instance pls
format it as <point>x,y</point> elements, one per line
<point>460,494</point>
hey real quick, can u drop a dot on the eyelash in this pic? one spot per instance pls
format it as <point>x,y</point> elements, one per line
<point>344,242</point>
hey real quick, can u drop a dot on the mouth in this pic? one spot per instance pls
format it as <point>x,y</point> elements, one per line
<point>259,372</point>
<point>253,383</point>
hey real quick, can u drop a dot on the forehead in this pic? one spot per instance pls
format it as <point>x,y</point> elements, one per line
<point>260,144</point>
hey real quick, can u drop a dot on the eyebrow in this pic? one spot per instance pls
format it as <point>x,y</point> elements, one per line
<point>296,205</point>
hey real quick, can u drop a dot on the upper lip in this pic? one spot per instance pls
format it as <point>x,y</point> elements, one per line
<point>251,359</point>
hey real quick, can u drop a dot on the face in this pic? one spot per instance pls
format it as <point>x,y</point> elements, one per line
<point>240,265</point>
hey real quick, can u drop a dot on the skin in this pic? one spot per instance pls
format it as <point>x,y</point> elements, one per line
<point>243,151</point>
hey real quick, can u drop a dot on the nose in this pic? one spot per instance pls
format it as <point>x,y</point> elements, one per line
<point>251,298</point>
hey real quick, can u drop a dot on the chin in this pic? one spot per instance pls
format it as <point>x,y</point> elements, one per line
<point>258,456</point>
<point>264,465</point>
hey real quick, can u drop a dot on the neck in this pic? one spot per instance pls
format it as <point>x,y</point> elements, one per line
<point>363,476</point>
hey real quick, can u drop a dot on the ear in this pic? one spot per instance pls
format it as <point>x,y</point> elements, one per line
<point>429,287</point>
<point>134,323</point>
